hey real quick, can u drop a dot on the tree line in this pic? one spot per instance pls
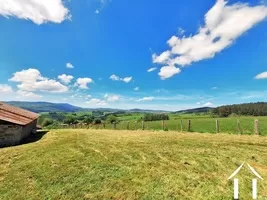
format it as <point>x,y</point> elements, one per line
<point>155,117</point>
<point>252,109</point>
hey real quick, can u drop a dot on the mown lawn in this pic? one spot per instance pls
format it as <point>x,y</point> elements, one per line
<point>106,164</point>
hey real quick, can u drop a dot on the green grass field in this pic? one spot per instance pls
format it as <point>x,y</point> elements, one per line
<point>202,124</point>
<point>106,164</point>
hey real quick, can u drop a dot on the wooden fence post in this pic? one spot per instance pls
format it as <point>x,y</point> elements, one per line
<point>163,124</point>
<point>181,125</point>
<point>217,126</point>
<point>256,127</point>
<point>189,125</point>
<point>143,125</point>
<point>128,125</point>
<point>135,123</point>
<point>104,125</point>
<point>114,125</point>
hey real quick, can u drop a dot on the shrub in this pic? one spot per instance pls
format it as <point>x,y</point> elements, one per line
<point>97,121</point>
<point>111,119</point>
<point>47,122</point>
<point>88,120</point>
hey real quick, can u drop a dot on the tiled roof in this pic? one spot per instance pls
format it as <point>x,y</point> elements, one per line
<point>16,115</point>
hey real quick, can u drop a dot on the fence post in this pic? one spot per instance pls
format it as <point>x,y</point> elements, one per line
<point>104,125</point>
<point>256,127</point>
<point>189,125</point>
<point>143,125</point>
<point>135,123</point>
<point>163,124</point>
<point>114,125</point>
<point>181,125</point>
<point>217,126</point>
<point>128,125</point>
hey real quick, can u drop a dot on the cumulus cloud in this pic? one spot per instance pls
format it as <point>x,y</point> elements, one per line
<point>38,11</point>
<point>111,98</point>
<point>69,65</point>
<point>223,25</point>
<point>4,88</point>
<point>146,99</point>
<point>262,75</point>
<point>168,71</point>
<point>127,79</point>
<point>65,78</point>
<point>83,82</point>
<point>151,69</point>
<point>31,80</point>
<point>117,78</point>
<point>97,102</point>
<point>136,88</point>
<point>28,95</point>
<point>208,104</point>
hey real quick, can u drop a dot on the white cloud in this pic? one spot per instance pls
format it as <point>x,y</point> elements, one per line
<point>28,95</point>
<point>83,82</point>
<point>151,69</point>
<point>114,77</point>
<point>65,78</point>
<point>262,75</point>
<point>136,88</point>
<point>223,25</point>
<point>214,88</point>
<point>117,78</point>
<point>181,31</point>
<point>127,79</point>
<point>162,57</point>
<point>208,104</point>
<point>198,103</point>
<point>69,65</point>
<point>4,88</point>
<point>38,11</point>
<point>31,80</point>
<point>168,71</point>
<point>97,11</point>
<point>97,102</point>
<point>112,98</point>
<point>146,99</point>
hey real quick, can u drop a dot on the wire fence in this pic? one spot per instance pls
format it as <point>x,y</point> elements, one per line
<point>245,126</point>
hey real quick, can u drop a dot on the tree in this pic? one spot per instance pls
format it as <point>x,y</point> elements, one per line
<point>70,120</point>
<point>111,119</point>
<point>88,120</point>
<point>97,121</point>
<point>47,122</point>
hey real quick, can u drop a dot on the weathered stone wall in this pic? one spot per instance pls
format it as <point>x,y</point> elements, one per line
<point>10,134</point>
<point>28,129</point>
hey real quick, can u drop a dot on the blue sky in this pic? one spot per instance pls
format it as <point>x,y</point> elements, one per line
<point>156,54</point>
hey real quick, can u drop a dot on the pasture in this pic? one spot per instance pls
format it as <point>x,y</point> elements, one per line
<point>201,124</point>
<point>112,164</point>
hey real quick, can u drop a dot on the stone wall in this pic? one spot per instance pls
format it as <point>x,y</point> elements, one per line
<point>28,129</point>
<point>10,134</point>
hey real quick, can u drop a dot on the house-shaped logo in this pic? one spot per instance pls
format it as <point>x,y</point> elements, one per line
<point>254,181</point>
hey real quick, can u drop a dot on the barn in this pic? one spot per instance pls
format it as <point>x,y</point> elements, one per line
<point>15,124</point>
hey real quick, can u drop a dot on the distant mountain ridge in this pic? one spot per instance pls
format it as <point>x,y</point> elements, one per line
<point>195,110</point>
<point>65,107</point>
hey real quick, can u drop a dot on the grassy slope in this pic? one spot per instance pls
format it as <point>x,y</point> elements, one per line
<point>104,164</point>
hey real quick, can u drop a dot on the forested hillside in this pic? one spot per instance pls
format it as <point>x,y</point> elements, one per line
<point>255,109</point>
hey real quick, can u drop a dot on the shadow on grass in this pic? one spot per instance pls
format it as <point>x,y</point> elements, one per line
<point>34,137</point>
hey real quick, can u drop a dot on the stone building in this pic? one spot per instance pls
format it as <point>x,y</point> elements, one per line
<point>15,124</point>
